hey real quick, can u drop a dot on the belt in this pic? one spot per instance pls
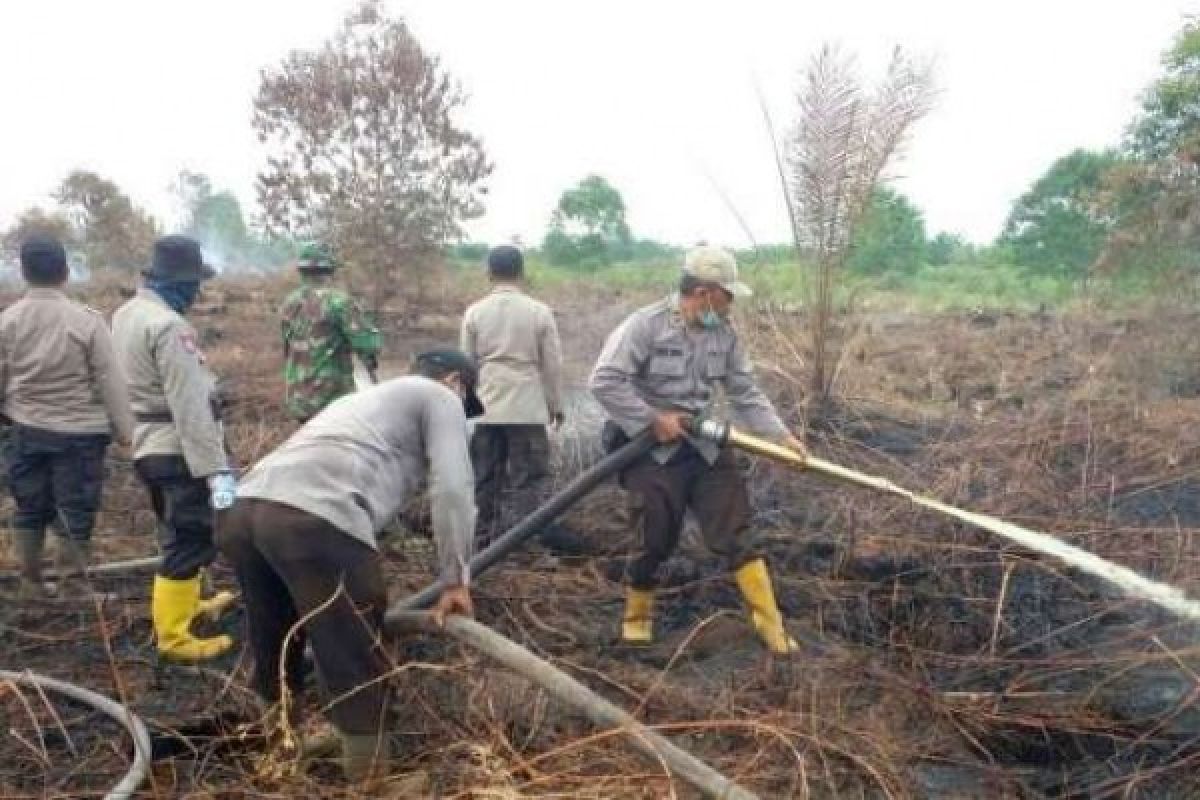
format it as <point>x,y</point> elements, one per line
<point>153,416</point>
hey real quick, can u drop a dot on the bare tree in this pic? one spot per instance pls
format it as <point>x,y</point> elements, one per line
<point>834,158</point>
<point>365,151</point>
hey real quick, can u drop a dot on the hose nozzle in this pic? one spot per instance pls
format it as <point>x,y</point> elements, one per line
<point>712,430</point>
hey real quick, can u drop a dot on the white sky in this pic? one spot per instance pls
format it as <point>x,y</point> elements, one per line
<point>654,95</point>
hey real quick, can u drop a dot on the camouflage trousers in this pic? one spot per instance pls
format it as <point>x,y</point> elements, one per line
<point>56,478</point>
<point>512,475</point>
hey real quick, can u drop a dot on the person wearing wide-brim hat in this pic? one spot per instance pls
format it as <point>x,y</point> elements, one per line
<point>179,444</point>
<point>665,363</point>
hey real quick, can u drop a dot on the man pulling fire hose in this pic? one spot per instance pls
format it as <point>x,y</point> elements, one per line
<point>657,370</point>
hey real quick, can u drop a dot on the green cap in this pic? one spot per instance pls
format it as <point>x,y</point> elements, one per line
<point>315,256</point>
<point>715,265</point>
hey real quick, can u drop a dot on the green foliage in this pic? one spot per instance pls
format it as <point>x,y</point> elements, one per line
<point>1169,123</point>
<point>891,237</point>
<point>948,248</point>
<point>1058,226</point>
<point>215,219</point>
<point>473,252</point>
<point>588,228</point>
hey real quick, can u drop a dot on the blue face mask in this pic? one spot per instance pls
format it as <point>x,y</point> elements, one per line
<point>179,295</point>
<point>710,320</point>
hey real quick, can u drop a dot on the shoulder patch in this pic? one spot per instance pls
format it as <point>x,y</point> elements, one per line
<point>187,340</point>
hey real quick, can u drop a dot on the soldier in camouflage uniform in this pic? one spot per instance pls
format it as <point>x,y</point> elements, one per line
<point>323,329</point>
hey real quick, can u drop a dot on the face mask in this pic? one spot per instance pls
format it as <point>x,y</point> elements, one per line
<point>179,295</point>
<point>710,320</point>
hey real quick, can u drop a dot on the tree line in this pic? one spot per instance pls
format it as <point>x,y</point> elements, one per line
<point>365,149</point>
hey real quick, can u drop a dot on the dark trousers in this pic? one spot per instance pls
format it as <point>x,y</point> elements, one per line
<point>662,494</point>
<point>56,477</point>
<point>185,519</point>
<point>293,567</point>
<point>512,469</point>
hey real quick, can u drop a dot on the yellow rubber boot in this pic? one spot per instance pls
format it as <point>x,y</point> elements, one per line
<point>173,607</point>
<point>213,607</point>
<point>637,626</point>
<point>755,583</point>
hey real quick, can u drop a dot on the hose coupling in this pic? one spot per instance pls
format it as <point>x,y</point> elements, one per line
<point>713,430</point>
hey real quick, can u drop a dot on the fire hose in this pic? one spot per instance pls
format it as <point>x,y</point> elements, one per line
<point>140,768</point>
<point>1163,595</point>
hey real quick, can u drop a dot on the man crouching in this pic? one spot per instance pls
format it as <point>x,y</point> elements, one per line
<point>302,537</point>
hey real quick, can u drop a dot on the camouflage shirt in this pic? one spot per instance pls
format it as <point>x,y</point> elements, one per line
<point>323,328</point>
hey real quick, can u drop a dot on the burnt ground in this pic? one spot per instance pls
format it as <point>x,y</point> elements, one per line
<point>938,662</point>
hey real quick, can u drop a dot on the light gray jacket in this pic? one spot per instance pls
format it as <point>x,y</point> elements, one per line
<point>167,373</point>
<point>357,463</point>
<point>654,362</point>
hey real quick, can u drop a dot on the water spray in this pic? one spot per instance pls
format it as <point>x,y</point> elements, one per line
<point>1131,583</point>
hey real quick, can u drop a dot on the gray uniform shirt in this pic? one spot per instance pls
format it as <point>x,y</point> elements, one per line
<point>357,463</point>
<point>654,362</point>
<point>57,367</point>
<point>515,341</point>
<point>166,371</point>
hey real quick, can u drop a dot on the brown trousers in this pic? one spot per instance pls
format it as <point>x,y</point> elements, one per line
<point>293,567</point>
<point>663,493</point>
<point>512,471</point>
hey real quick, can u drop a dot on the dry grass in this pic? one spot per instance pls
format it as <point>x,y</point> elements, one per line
<point>937,663</point>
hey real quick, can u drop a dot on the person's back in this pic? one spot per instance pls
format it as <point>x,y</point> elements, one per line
<point>63,391</point>
<point>323,329</point>
<point>58,366</point>
<point>356,463</point>
<point>515,341</point>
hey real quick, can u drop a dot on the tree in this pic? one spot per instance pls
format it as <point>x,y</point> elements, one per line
<point>365,151</point>
<point>1154,194</point>
<point>1168,126</point>
<point>112,232</point>
<point>215,219</point>
<point>39,221</point>
<point>834,159</point>
<point>891,237</point>
<point>588,226</point>
<point>948,248</point>
<point>1061,223</point>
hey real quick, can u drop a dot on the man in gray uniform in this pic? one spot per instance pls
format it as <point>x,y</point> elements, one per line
<point>660,367</point>
<point>179,444</point>
<point>514,339</point>
<point>302,536</point>
<point>65,396</point>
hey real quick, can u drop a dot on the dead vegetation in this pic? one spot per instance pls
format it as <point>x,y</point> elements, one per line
<point>938,663</point>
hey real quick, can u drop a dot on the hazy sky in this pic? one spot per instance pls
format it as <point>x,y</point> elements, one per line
<point>656,95</point>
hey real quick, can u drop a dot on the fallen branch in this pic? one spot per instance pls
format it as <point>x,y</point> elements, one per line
<point>570,691</point>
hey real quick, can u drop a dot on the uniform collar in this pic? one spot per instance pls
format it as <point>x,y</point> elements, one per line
<point>146,293</point>
<point>506,288</point>
<point>674,311</point>
<point>52,292</point>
